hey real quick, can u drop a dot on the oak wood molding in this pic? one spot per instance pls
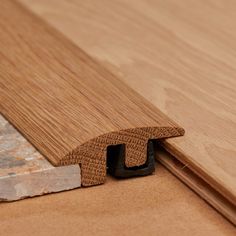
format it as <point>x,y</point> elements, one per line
<point>177,54</point>
<point>67,105</point>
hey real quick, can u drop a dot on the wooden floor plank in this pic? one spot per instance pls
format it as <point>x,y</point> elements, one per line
<point>197,184</point>
<point>177,54</point>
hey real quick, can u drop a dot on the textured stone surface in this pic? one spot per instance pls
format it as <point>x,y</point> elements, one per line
<point>24,172</point>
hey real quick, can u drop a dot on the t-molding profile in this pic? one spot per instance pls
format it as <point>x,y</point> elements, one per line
<point>92,155</point>
<point>66,104</point>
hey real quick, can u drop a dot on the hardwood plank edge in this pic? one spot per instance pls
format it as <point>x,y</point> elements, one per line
<point>170,148</point>
<point>218,201</point>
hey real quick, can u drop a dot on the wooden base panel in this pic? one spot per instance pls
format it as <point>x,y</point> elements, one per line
<point>157,204</point>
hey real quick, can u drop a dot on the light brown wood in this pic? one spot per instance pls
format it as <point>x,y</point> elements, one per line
<point>204,190</point>
<point>158,204</point>
<point>68,106</point>
<point>177,54</point>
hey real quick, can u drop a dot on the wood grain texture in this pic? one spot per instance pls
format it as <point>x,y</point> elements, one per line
<point>177,54</point>
<point>67,105</point>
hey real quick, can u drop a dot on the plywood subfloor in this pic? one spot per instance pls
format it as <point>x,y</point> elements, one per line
<point>177,54</point>
<point>154,205</point>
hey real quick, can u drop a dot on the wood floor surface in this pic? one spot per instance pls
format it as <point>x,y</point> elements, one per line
<point>180,55</point>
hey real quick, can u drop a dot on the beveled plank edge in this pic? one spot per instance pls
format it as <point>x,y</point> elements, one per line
<point>178,154</point>
<point>197,184</point>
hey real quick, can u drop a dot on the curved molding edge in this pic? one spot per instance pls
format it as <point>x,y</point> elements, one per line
<point>92,155</point>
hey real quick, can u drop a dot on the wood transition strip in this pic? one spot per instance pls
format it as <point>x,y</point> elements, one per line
<point>67,105</point>
<point>185,66</point>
